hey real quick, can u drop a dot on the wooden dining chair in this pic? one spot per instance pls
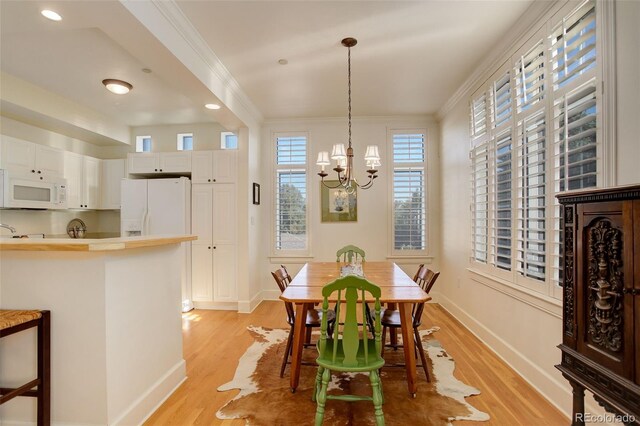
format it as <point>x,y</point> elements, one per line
<point>350,349</point>
<point>314,316</point>
<point>347,253</point>
<point>390,319</point>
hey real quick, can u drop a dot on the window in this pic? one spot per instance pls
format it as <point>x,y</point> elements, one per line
<point>534,133</point>
<point>143,143</point>
<point>228,140</point>
<point>409,191</point>
<point>185,141</point>
<point>291,192</point>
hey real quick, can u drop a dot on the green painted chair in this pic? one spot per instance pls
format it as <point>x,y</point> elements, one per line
<point>346,254</point>
<point>355,351</point>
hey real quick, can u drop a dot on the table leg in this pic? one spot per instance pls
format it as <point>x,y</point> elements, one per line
<point>409,347</point>
<point>298,342</point>
<point>393,332</point>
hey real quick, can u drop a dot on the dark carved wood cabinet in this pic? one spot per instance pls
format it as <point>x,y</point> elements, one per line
<point>601,307</point>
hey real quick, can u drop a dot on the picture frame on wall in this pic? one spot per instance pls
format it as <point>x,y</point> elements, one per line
<point>337,205</point>
<point>256,194</point>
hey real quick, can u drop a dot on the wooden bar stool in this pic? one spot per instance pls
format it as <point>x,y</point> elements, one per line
<point>13,321</point>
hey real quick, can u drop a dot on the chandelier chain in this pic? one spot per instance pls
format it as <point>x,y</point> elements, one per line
<point>349,79</point>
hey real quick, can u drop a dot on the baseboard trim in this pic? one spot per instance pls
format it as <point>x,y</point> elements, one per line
<point>219,306</point>
<point>154,397</point>
<point>508,354</point>
<point>247,306</point>
<point>271,294</point>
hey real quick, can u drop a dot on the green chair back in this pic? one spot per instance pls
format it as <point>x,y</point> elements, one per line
<point>354,352</point>
<point>346,254</point>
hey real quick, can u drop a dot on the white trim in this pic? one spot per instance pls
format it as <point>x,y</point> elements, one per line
<point>220,306</point>
<point>143,407</point>
<point>290,258</point>
<point>247,306</point>
<point>271,295</point>
<point>608,90</point>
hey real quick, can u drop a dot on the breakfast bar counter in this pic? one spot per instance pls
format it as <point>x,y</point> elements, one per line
<point>116,329</point>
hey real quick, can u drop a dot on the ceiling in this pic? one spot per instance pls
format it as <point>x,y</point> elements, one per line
<point>410,58</point>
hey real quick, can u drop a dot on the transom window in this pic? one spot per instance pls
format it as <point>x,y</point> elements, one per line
<point>143,143</point>
<point>228,140</point>
<point>185,142</point>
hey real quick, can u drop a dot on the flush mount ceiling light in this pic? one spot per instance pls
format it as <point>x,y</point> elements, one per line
<point>344,158</point>
<point>118,87</point>
<point>50,14</point>
<point>212,106</point>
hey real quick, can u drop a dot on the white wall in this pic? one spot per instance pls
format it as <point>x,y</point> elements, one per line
<point>523,330</point>
<point>371,231</point>
<point>206,136</point>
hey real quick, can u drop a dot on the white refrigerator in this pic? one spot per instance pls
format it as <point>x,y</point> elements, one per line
<point>159,207</point>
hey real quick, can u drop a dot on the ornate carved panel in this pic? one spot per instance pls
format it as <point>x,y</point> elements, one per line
<point>605,286</point>
<point>567,259</point>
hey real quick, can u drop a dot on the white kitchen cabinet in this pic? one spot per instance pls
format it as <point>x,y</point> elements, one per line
<point>218,166</point>
<point>83,181</point>
<point>214,255</point>
<point>110,183</point>
<point>29,158</point>
<point>159,162</point>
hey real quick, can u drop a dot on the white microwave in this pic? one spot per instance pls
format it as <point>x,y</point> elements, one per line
<point>30,192</point>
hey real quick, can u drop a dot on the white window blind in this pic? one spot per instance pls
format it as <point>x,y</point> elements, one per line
<point>501,101</point>
<point>529,75</point>
<point>480,202</point>
<point>573,45</point>
<point>479,116</point>
<point>531,197</point>
<point>409,192</point>
<point>291,193</point>
<point>502,202</point>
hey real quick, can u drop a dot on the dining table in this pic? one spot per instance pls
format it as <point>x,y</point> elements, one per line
<point>397,288</point>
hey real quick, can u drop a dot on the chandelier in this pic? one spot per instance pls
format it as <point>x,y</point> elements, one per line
<point>344,158</point>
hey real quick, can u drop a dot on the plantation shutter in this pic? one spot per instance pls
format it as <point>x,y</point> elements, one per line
<point>409,194</point>
<point>573,45</point>
<point>291,193</point>
<point>501,202</point>
<point>479,116</point>
<point>501,101</point>
<point>480,202</point>
<point>529,75</point>
<point>531,197</point>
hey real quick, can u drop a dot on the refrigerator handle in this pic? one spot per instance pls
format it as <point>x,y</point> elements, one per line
<point>145,217</point>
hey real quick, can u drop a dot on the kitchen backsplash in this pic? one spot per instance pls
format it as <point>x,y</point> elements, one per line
<point>54,222</point>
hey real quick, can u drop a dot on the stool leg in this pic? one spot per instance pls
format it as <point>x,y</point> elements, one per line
<point>44,370</point>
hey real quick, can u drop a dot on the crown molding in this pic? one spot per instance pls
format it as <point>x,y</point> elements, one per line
<point>515,36</point>
<point>425,119</point>
<point>168,23</point>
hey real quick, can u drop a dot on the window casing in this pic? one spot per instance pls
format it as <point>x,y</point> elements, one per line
<point>541,141</point>
<point>409,191</point>
<point>290,209</point>
<point>143,143</point>
<point>185,142</point>
<point>228,140</point>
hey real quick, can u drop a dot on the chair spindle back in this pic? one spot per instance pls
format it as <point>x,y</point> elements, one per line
<point>347,253</point>
<point>283,279</point>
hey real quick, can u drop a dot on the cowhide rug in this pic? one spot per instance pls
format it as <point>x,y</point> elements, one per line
<point>266,399</point>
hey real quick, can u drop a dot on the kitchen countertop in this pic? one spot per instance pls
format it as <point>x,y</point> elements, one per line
<point>91,244</point>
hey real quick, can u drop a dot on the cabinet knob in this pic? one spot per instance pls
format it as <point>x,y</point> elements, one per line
<point>39,171</point>
<point>209,247</point>
<point>160,169</point>
<point>214,180</point>
<point>33,171</point>
<point>155,170</point>
<point>214,247</point>
<point>40,177</point>
<point>208,180</point>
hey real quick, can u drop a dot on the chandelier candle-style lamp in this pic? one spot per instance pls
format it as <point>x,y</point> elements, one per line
<point>344,157</point>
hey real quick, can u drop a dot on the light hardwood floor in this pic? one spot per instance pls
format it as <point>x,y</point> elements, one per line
<point>215,340</point>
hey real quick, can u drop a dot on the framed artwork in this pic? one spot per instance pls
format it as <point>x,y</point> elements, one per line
<point>256,193</point>
<point>337,205</point>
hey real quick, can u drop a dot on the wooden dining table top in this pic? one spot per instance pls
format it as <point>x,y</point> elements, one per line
<point>395,285</point>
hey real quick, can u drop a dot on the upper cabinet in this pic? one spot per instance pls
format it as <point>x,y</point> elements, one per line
<point>30,158</point>
<point>159,162</point>
<point>83,181</point>
<point>214,166</point>
<point>113,171</point>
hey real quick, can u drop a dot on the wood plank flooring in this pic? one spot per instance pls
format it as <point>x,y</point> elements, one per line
<point>215,340</point>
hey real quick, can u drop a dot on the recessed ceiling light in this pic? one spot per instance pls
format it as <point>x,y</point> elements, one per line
<point>283,61</point>
<point>118,87</point>
<point>50,14</point>
<point>212,106</point>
